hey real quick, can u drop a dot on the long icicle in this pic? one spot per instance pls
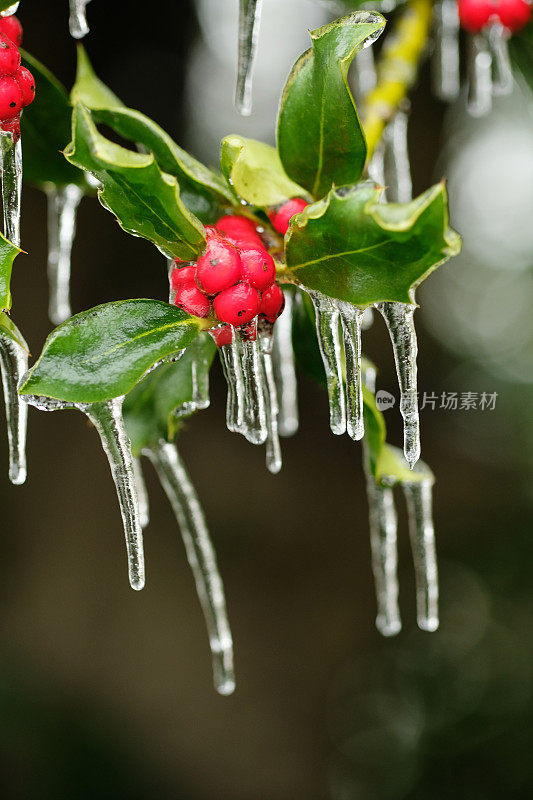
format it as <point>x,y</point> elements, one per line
<point>200,375</point>
<point>351,319</point>
<point>249,17</point>
<point>399,320</point>
<point>285,371</point>
<point>445,57</point>
<point>327,326</point>
<point>14,363</point>
<point>383,528</point>
<point>502,71</point>
<point>202,559</point>
<point>254,426</point>
<point>142,493</point>
<point>11,185</point>
<point>235,399</point>
<point>62,206</point>
<point>418,496</point>
<point>274,460</point>
<point>107,419</point>
<point>78,21</point>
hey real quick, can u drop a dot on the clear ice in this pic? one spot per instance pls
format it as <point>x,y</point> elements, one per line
<point>200,375</point>
<point>479,69</point>
<point>249,17</point>
<point>142,494</point>
<point>327,326</point>
<point>254,425</point>
<point>351,319</point>
<point>418,496</point>
<point>230,360</point>
<point>364,75</point>
<point>445,57</point>
<point>400,322</point>
<point>502,72</point>
<point>202,559</point>
<point>285,371</point>
<point>273,449</point>
<point>62,206</point>
<point>396,166</point>
<point>11,185</point>
<point>14,364</point>
<point>78,20</point>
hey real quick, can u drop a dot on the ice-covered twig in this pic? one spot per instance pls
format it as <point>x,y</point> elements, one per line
<point>202,559</point>
<point>11,185</point>
<point>78,20</point>
<point>14,363</point>
<point>351,318</point>
<point>418,496</point>
<point>142,493</point>
<point>327,326</point>
<point>383,527</point>
<point>445,58</point>
<point>62,206</point>
<point>249,17</point>
<point>284,370</point>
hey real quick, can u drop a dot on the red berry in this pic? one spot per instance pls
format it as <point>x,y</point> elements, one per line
<point>10,98</point>
<point>12,28</point>
<point>272,303</point>
<point>219,267</point>
<point>26,81</point>
<point>280,218</point>
<point>222,335</point>
<point>237,305</point>
<point>12,126</point>
<point>191,299</point>
<point>183,275</point>
<point>9,56</point>
<point>475,14</point>
<point>514,14</point>
<point>240,231</point>
<point>258,268</point>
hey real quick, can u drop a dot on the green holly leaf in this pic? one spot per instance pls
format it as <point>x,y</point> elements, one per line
<point>149,409</point>
<point>320,139</point>
<point>10,330</point>
<point>145,200</point>
<point>352,247</point>
<point>102,353</point>
<point>45,127</point>
<point>255,173</point>
<point>203,191</point>
<point>8,253</point>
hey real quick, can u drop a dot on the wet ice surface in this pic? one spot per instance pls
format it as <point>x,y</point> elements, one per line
<point>77,19</point>
<point>249,18</point>
<point>11,185</point>
<point>14,364</point>
<point>62,206</point>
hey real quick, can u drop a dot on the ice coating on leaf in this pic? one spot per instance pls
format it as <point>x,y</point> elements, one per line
<point>78,20</point>
<point>327,326</point>
<point>62,206</point>
<point>445,57</point>
<point>142,493</point>
<point>479,70</point>
<point>202,559</point>
<point>249,18</point>
<point>273,450</point>
<point>400,323</point>
<point>351,319</point>
<point>14,363</point>
<point>254,426</point>
<point>107,419</point>
<point>397,169</point>
<point>11,185</point>
<point>418,496</point>
<point>383,528</point>
<point>285,371</point>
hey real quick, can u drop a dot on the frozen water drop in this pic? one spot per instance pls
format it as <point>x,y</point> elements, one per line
<point>502,72</point>
<point>285,371</point>
<point>383,527</point>
<point>78,21</point>
<point>14,364</point>
<point>11,185</point>
<point>396,160</point>
<point>142,494</point>
<point>62,206</point>
<point>418,496</point>
<point>273,449</point>
<point>202,559</point>
<point>327,326</point>
<point>400,323</point>
<point>351,318</point>
<point>254,425</point>
<point>249,17</point>
<point>445,58</point>
<point>479,69</point>
<point>364,75</point>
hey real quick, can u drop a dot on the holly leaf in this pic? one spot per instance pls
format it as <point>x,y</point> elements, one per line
<point>203,191</point>
<point>149,409</point>
<point>255,173</point>
<point>145,200</point>
<point>9,329</point>
<point>320,139</point>
<point>351,247</point>
<point>102,353</point>
<point>8,253</point>
<point>45,127</point>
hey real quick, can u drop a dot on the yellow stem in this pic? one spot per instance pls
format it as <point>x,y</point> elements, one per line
<point>396,69</point>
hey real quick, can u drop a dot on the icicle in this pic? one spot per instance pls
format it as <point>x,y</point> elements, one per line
<point>78,21</point>
<point>396,160</point>
<point>231,365</point>
<point>62,207</point>
<point>202,559</point>
<point>14,363</point>
<point>8,12</point>
<point>383,527</point>
<point>327,325</point>
<point>249,16</point>
<point>479,70</point>
<point>254,426</point>
<point>399,319</point>
<point>284,370</point>
<point>107,419</point>
<point>273,450</point>
<point>351,318</point>
<point>445,59</point>
<point>200,376</point>
<point>419,507</point>
<point>502,72</point>
<point>142,494</point>
<point>365,76</point>
<point>11,185</point>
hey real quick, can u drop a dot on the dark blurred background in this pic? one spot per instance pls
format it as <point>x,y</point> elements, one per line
<point>105,692</point>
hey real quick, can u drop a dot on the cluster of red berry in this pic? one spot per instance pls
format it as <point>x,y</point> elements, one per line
<point>17,86</point>
<point>235,278</point>
<point>478,14</point>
